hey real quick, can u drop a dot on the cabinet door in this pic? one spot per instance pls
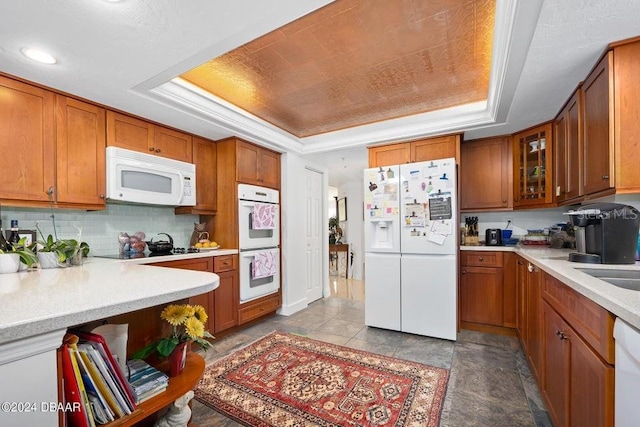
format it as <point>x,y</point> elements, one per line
<point>521,300</point>
<point>441,147</point>
<point>481,295</point>
<point>557,350</point>
<point>206,300</point>
<point>388,155</point>
<point>226,301</point>
<point>128,132</point>
<point>26,141</point>
<point>248,156</point>
<point>509,283</point>
<point>485,181</point>
<point>269,175</point>
<point>534,321</point>
<point>533,166</point>
<point>172,144</point>
<point>567,136</point>
<point>597,96</point>
<point>592,386</point>
<point>80,152</point>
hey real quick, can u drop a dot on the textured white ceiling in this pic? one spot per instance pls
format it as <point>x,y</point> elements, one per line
<point>113,53</point>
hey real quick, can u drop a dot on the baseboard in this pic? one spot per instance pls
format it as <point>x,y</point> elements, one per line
<point>479,327</point>
<point>289,309</point>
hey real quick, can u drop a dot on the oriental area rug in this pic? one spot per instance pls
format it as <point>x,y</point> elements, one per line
<point>288,380</point>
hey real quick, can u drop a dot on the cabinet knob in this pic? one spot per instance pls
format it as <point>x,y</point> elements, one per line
<point>605,177</point>
<point>563,336</point>
<point>504,201</point>
<point>102,196</point>
<point>558,333</point>
<point>152,149</point>
<point>157,150</point>
<point>464,271</point>
<point>481,258</point>
<point>530,268</point>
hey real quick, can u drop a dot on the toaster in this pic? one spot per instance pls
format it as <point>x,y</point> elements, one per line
<point>493,237</point>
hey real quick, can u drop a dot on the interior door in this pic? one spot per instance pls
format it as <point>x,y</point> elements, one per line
<point>314,235</point>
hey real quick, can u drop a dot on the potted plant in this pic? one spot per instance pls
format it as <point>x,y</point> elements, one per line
<point>333,230</point>
<point>54,253</point>
<point>12,260</point>
<point>187,322</point>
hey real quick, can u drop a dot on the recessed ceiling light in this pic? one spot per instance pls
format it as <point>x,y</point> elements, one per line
<point>38,55</point>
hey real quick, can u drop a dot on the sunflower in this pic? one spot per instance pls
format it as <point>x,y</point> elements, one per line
<point>194,328</point>
<point>175,314</point>
<point>199,313</point>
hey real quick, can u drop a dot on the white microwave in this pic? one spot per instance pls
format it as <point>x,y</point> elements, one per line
<point>147,179</point>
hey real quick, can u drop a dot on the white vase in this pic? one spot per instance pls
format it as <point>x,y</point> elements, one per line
<point>48,260</point>
<point>9,263</point>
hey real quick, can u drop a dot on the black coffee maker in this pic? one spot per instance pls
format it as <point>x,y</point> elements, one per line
<point>606,233</point>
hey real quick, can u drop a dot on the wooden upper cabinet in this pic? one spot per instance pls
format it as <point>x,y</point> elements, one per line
<point>441,147</point>
<point>567,136</point>
<point>533,167</point>
<point>485,174</point>
<point>387,155</point>
<point>80,152</point>
<point>27,141</point>
<point>257,165</point>
<point>597,96</point>
<point>139,135</point>
<point>627,117</point>
<point>173,144</point>
<point>205,159</point>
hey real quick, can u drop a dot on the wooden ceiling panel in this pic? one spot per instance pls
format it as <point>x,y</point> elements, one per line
<point>355,62</point>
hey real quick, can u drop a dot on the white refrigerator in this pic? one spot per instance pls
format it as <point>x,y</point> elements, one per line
<point>411,265</point>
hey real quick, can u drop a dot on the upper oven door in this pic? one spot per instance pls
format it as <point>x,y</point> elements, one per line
<point>259,224</point>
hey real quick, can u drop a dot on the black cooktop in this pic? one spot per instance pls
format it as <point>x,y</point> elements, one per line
<point>135,255</point>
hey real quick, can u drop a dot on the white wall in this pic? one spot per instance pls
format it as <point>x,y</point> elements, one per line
<point>353,227</point>
<point>294,275</point>
<point>100,228</point>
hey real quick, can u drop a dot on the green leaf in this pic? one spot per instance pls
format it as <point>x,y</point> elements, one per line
<point>145,351</point>
<point>167,345</point>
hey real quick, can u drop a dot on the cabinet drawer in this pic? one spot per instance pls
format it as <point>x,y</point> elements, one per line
<point>224,263</point>
<point>592,322</point>
<point>481,259</point>
<point>254,311</point>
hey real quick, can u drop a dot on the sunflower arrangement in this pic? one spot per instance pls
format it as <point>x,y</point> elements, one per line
<point>187,322</point>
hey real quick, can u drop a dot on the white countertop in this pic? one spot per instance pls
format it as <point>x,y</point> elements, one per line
<point>624,303</point>
<point>36,302</point>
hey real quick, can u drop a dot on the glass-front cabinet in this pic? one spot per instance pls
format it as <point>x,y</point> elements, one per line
<point>533,166</point>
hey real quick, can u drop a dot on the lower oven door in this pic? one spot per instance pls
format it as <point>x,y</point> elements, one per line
<point>259,273</point>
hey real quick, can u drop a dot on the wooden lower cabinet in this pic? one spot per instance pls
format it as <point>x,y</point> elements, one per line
<point>481,295</point>
<point>226,301</point>
<point>222,303</point>
<point>578,385</point>
<point>488,290</point>
<point>260,307</point>
<point>533,319</point>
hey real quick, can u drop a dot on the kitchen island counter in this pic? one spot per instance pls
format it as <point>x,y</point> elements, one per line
<point>37,302</point>
<point>623,303</point>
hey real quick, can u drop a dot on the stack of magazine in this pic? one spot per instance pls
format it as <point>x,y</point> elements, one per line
<point>146,380</point>
<point>93,381</point>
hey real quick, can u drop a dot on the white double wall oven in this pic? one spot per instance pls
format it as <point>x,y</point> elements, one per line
<point>259,241</point>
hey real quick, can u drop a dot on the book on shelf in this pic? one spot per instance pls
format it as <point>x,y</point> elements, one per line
<point>100,345</point>
<point>152,393</point>
<point>71,389</point>
<point>146,380</point>
<point>99,406</point>
<point>100,384</point>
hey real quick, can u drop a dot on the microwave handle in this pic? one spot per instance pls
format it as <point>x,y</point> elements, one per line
<point>181,187</point>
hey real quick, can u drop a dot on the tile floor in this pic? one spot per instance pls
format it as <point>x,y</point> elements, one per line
<point>490,383</point>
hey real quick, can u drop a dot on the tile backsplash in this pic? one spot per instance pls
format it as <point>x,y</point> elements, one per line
<point>100,228</point>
